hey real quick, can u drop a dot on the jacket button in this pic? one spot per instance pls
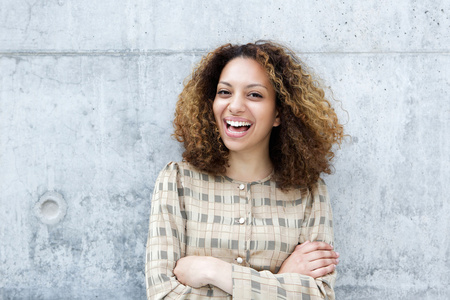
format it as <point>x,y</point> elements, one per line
<point>239,260</point>
<point>241,186</point>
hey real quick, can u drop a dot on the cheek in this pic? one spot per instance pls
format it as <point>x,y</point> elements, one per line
<point>267,112</point>
<point>217,110</point>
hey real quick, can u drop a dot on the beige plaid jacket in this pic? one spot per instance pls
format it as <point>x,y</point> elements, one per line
<point>254,226</point>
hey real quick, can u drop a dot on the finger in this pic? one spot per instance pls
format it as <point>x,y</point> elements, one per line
<point>299,246</point>
<point>313,246</point>
<point>320,254</point>
<point>322,271</point>
<point>322,263</point>
<point>320,246</point>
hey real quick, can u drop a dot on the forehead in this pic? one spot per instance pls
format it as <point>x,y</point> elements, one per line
<point>244,69</point>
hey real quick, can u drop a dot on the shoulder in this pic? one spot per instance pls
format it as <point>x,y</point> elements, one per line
<point>321,186</point>
<point>182,169</point>
<point>177,166</point>
<point>169,169</point>
<point>321,181</point>
<point>317,192</point>
<point>185,178</point>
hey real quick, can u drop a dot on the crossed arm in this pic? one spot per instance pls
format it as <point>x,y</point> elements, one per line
<point>314,259</point>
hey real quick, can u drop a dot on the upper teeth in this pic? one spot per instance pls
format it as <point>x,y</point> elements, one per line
<point>238,124</point>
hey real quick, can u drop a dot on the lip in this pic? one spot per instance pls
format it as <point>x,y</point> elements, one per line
<point>236,134</point>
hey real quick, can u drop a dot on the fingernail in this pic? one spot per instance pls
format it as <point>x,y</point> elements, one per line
<point>337,260</point>
<point>337,253</point>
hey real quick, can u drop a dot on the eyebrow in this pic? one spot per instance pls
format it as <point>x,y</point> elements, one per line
<point>248,86</point>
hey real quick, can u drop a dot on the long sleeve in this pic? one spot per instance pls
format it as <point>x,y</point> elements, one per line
<point>166,237</point>
<point>317,226</point>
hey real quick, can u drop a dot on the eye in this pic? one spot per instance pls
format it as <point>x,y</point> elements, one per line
<point>223,92</point>
<point>255,95</point>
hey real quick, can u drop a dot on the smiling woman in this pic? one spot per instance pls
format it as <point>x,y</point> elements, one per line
<point>246,215</point>
<point>245,112</point>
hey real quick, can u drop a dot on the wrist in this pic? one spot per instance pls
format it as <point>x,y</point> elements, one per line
<point>218,273</point>
<point>211,268</point>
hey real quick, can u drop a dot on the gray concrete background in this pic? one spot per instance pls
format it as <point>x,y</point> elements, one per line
<point>87,94</point>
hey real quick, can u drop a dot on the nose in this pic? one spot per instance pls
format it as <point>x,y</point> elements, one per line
<point>236,105</point>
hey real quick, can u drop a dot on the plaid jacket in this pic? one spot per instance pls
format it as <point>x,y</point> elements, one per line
<point>252,225</point>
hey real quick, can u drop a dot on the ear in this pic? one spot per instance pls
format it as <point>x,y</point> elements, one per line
<point>277,121</point>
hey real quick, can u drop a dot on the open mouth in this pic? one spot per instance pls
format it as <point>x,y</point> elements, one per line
<point>237,126</point>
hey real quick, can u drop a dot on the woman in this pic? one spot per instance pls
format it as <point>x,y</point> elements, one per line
<point>245,215</point>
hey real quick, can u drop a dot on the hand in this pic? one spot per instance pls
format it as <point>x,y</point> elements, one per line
<point>192,271</point>
<point>198,271</point>
<point>313,259</point>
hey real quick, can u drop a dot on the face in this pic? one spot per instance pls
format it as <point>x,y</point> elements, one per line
<point>244,106</point>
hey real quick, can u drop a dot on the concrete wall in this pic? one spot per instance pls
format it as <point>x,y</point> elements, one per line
<point>87,94</point>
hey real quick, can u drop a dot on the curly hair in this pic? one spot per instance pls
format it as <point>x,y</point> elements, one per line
<point>300,148</point>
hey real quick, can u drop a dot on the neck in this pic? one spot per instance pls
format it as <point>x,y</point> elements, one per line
<point>249,167</point>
